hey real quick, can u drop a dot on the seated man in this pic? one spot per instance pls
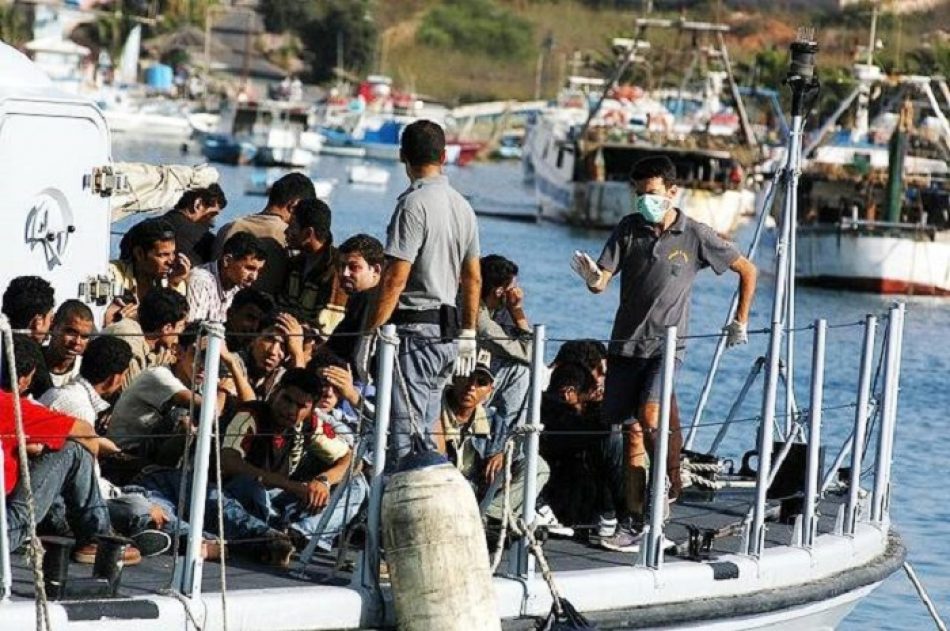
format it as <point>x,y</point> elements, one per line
<point>28,302</point>
<point>158,400</point>
<point>473,439</point>
<point>161,317</point>
<point>311,291</point>
<point>192,219</point>
<point>361,263</point>
<point>212,286</point>
<point>278,346</point>
<point>62,461</point>
<point>245,315</point>
<point>107,360</point>
<point>281,465</point>
<point>504,330</point>
<point>586,477</point>
<point>72,326</point>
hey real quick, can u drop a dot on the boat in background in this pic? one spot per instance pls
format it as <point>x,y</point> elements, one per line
<point>367,174</point>
<point>272,127</point>
<point>262,180</point>
<point>874,198</point>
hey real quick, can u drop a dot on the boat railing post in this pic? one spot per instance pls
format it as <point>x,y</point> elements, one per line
<point>194,563</point>
<point>658,493</point>
<point>386,359</point>
<point>860,423</point>
<point>6,575</point>
<point>532,447</point>
<point>888,408</point>
<point>809,519</point>
<point>737,405</point>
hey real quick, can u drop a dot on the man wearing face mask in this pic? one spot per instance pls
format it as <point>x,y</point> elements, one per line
<point>657,250</point>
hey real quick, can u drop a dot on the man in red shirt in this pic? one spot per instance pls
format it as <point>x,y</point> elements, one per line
<point>62,462</point>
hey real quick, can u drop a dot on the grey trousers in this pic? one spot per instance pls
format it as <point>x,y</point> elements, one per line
<point>425,363</point>
<point>67,473</point>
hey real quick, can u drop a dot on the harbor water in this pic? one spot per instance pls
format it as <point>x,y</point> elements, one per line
<point>557,298</point>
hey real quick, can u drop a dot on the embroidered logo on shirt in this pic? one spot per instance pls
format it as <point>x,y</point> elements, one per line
<point>678,254</point>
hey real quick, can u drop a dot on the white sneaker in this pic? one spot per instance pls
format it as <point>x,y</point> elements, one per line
<point>546,518</point>
<point>606,527</point>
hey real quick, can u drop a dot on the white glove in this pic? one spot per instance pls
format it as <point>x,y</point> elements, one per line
<point>735,333</point>
<point>468,353</point>
<point>365,349</point>
<point>585,267</point>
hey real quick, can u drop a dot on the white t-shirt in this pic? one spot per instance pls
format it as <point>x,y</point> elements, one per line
<point>140,407</point>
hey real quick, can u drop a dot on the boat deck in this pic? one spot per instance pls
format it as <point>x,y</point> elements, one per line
<point>723,513</point>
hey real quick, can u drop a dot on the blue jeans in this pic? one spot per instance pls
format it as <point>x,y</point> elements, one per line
<point>67,473</point>
<point>131,512</point>
<point>262,509</point>
<point>426,363</point>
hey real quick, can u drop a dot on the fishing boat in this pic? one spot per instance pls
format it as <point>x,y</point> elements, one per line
<point>272,128</point>
<point>744,555</point>
<point>580,157</point>
<point>875,198</point>
<point>262,180</point>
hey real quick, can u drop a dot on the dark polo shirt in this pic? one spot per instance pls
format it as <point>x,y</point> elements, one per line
<point>656,279</point>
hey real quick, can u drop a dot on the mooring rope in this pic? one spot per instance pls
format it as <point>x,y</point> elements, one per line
<point>924,597</point>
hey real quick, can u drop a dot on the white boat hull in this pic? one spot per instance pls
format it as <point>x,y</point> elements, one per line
<point>880,261</point>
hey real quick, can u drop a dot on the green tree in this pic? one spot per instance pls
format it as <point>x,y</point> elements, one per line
<point>477,26</point>
<point>349,23</point>
<point>286,15</point>
<point>14,28</point>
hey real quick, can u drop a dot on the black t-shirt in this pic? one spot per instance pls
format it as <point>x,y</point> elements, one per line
<point>194,240</point>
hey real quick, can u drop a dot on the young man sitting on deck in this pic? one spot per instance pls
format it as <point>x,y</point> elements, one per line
<point>277,347</point>
<point>192,219</point>
<point>72,326</point>
<point>361,262</point>
<point>245,315</point>
<point>281,462</point>
<point>212,286</point>
<point>62,452</point>
<point>473,438</point>
<point>658,251</point>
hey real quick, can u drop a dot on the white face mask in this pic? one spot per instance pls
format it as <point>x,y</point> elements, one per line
<point>653,207</point>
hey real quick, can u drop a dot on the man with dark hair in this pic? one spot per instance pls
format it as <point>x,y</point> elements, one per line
<point>154,335</point>
<point>281,463</point>
<point>62,463</point>
<point>192,219</point>
<point>147,259</point>
<point>28,302</point>
<point>212,286</point>
<point>269,226</point>
<point>311,292</point>
<point>277,346</point>
<point>658,251</point>
<point>248,309</point>
<point>504,330</point>
<point>72,326</point>
<point>361,261</point>
<point>432,249</point>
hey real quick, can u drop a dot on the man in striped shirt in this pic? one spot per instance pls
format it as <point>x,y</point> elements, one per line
<point>212,286</point>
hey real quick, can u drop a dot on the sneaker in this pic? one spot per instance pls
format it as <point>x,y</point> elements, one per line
<point>546,518</point>
<point>606,528</point>
<point>152,542</point>
<point>87,554</point>
<point>625,539</point>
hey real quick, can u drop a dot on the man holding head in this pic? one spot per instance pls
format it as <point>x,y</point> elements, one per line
<point>431,250</point>
<point>658,251</point>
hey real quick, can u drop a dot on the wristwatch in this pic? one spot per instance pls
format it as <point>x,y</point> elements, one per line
<point>324,479</point>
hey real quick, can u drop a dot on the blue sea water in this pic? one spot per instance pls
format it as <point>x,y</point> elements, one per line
<point>555,297</point>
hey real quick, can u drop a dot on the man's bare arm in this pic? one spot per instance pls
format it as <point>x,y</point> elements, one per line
<point>748,275</point>
<point>471,283</point>
<point>393,282</point>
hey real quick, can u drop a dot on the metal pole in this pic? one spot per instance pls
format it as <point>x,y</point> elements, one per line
<point>757,534</point>
<point>899,345</point>
<point>654,552</point>
<point>809,520</point>
<point>6,574</point>
<point>532,444</point>
<point>386,359</point>
<point>191,577</point>
<point>791,200</point>
<point>860,423</point>
<point>884,432</point>
<point>753,374</point>
<point>721,342</point>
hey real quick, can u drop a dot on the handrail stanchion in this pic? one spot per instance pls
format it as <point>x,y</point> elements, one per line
<point>885,432</point>
<point>386,360</point>
<point>6,573</point>
<point>658,499</point>
<point>532,447</point>
<point>898,349</point>
<point>809,521</point>
<point>194,563</point>
<point>860,423</point>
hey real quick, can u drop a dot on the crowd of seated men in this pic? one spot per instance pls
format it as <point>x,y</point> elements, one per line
<point>110,407</point>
